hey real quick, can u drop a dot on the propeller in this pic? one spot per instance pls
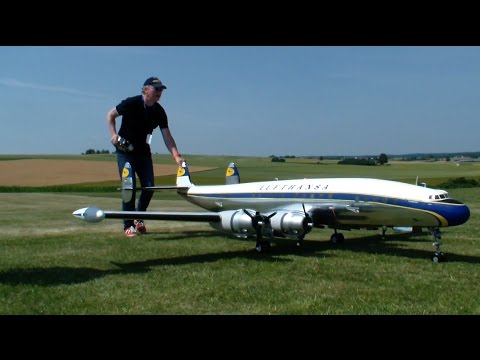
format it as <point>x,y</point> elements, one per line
<point>258,222</point>
<point>307,225</point>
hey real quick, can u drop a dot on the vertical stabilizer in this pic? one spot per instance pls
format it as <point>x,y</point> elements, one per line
<point>127,182</point>
<point>183,176</point>
<point>232,176</point>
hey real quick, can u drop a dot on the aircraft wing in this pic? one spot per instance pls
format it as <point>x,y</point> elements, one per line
<point>92,214</point>
<point>334,213</point>
<point>350,215</point>
<point>339,214</point>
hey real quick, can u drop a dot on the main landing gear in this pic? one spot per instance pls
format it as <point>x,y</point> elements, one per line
<point>337,238</point>
<point>384,230</point>
<point>437,256</point>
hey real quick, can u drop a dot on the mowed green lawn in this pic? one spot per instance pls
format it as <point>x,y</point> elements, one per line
<point>52,263</point>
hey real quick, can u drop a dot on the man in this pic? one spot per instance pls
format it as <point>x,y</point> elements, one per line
<point>141,114</point>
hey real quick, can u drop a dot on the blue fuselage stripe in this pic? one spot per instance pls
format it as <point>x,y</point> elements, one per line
<point>453,213</point>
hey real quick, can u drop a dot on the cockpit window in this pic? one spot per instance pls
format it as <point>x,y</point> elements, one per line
<point>438,197</point>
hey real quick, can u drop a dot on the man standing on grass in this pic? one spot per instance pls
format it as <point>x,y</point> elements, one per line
<point>141,114</point>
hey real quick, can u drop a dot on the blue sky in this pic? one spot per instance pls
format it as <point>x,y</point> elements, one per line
<point>247,100</point>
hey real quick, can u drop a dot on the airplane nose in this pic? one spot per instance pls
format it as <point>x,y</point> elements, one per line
<point>459,216</point>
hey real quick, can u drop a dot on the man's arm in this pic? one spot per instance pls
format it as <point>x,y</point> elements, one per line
<point>112,126</point>
<point>172,146</point>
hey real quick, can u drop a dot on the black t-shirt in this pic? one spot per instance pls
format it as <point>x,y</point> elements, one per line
<point>139,120</point>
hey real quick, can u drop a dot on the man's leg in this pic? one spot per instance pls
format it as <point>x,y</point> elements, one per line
<point>146,176</point>
<point>144,169</point>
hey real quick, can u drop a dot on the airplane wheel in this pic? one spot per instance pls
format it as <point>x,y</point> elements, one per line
<point>337,238</point>
<point>263,247</point>
<point>439,257</point>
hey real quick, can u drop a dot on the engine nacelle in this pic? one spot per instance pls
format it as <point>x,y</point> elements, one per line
<point>291,224</point>
<point>240,224</point>
<point>288,224</point>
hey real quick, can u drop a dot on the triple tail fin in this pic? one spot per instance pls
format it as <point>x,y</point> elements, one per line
<point>127,182</point>
<point>183,176</point>
<point>232,175</point>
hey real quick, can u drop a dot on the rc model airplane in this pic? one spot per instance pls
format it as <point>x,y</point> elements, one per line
<point>291,208</point>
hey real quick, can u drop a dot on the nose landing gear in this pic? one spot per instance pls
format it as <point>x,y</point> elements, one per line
<point>437,256</point>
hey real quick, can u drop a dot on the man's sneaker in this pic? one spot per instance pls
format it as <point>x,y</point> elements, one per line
<point>130,231</point>
<point>140,226</point>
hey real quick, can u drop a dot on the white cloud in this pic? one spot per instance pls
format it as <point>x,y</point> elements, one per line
<point>57,89</point>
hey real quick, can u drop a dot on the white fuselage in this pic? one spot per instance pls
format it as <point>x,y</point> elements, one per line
<point>382,202</point>
<point>265,193</point>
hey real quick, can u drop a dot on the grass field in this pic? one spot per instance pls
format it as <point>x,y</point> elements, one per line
<point>52,263</point>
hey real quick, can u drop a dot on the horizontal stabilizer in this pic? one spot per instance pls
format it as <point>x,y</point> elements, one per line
<point>155,188</point>
<point>172,187</point>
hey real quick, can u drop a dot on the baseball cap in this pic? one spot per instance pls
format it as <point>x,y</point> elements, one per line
<point>155,82</point>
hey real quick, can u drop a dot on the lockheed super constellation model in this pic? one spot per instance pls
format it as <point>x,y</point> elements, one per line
<point>291,208</point>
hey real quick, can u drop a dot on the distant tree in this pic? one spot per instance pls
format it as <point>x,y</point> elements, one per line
<point>357,161</point>
<point>93,151</point>
<point>383,159</point>
<point>460,182</point>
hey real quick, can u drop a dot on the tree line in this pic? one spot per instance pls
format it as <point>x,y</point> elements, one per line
<point>93,151</point>
<point>380,160</point>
